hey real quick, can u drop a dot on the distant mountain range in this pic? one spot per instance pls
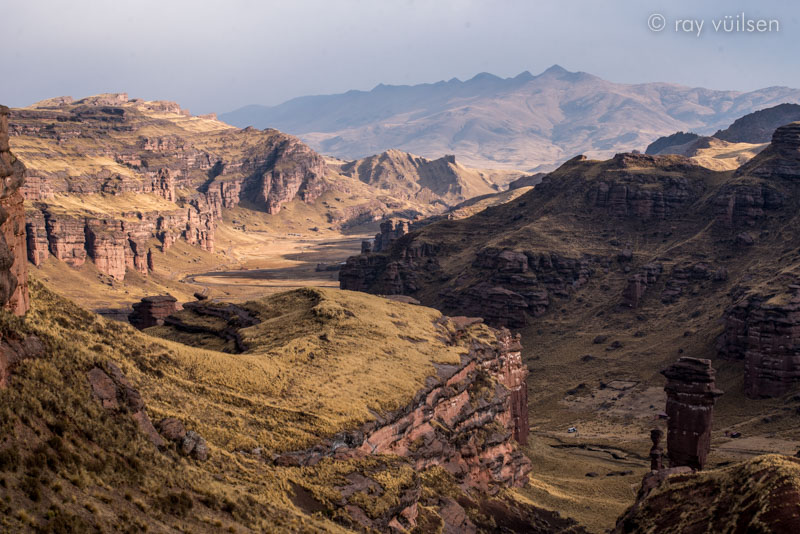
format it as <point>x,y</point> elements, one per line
<point>525,122</point>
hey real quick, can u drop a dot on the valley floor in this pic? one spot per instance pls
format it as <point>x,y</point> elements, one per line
<point>613,399</point>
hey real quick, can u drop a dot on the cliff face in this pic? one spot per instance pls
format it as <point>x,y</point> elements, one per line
<point>13,264</point>
<point>510,280</point>
<point>466,420</point>
<point>102,186</point>
<point>765,333</point>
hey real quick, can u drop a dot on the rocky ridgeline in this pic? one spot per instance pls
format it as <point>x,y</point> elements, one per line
<point>511,285</point>
<point>266,169</point>
<point>633,193</point>
<point>465,420</point>
<point>508,286</point>
<point>764,184</point>
<point>765,333</point>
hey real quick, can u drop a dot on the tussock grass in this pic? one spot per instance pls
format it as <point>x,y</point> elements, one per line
<point>320,360</point>
<point>66,463</point>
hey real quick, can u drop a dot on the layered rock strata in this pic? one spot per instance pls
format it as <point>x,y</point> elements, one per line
<point>691,394</point>
<point>391,230</point>
<point>13,243</point>
<point>765,333</point>
<point>465,420</point>
<point>196,174</point>
<point>152,311</point>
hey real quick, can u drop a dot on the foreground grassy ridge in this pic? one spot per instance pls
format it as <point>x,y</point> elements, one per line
<point>67,463</point>
<point>761,495</point>
<point>320,361</point>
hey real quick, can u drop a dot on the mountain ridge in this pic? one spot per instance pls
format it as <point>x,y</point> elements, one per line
<point>531,122</point>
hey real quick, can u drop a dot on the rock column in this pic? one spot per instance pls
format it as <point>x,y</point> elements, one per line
<point>691,394</point>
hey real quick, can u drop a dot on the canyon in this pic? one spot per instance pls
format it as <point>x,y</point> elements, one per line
<point>117,181</point>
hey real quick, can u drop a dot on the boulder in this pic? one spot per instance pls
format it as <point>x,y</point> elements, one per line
<point>152,311</point>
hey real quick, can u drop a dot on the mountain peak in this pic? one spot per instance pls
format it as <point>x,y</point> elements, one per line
<point>556,70</point>
<point>485,76</point>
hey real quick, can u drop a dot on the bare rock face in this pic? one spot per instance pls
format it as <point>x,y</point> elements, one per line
<point>512,286</point>
<point>465,421</point>
<point>632,194</point>
<point>638,283</point>
<point>36,235</point>
<point>781,159</point>
<point>391,230</point>
<point>115,392</point>
<point>152,311</point>
<point>13,243</point>
<point>691,394</point>
<point>266,169</point>
<point>744,204</point>
<point>765,333</point>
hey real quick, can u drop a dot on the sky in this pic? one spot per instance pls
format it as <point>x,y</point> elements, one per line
<point>216,56</point>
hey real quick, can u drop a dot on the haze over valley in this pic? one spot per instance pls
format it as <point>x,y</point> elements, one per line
<point>544,303</point>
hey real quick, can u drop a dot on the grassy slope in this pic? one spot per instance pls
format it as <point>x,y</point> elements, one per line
<point>66,463</point>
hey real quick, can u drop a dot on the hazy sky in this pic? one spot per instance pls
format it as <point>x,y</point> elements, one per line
<point>217,56</point>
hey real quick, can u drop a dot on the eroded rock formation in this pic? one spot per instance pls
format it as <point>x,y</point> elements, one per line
<point>13,243</point>
<point>691,394</point>
<point>758,495</point>
<point>466,420</point>
<point>195,180</point>
<point>152,311</point>
<point>765,333</point>
<point>391,230</point>
<point>115,392</point>
<point>632,194</point>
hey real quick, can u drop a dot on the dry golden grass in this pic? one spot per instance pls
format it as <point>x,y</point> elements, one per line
<point>66,463</point>
<point>105,205</point>
<point>321,360</point>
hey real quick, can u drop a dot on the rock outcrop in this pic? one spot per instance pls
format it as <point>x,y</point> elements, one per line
<point>780,160</point>
<point>647,276</point>
<point>112,388</point>
<point>213,319</point>
<point>758,495</point>
<point>391,230</point>
<point>691,394</point>
<point>765,333</point>
<point>193,174</point>
<point>13,243</point>
<point>634,194</point>
<point>15,349</point>
<point>152,311</point>
<point>466,420</point>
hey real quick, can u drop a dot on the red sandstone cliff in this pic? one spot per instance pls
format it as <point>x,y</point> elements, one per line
<point>466,420</point>
<point>13,264</point>
<point>196,174</point>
